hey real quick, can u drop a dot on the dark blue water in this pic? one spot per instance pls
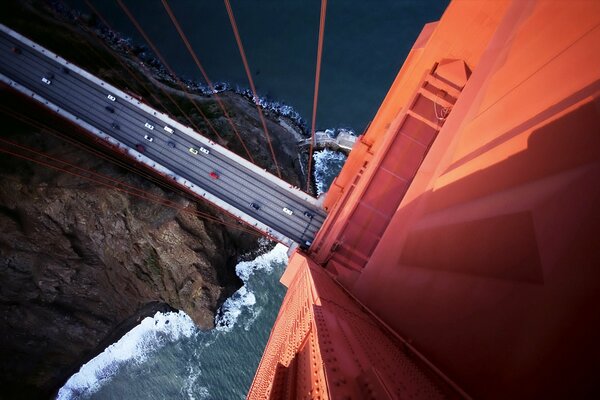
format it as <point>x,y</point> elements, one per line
<point>366,42</point>
<point>365,45</point>
<point>167,357</point>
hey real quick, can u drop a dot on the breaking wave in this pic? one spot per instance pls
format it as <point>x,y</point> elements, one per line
<point>244,299</point>
<point>153,333</point>
<point>135,346</point>
<point>328,164</point>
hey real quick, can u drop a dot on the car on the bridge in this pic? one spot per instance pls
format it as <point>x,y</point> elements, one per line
<point>205,151</point>
<point>110,109</point>
<point>140,148</point>
<point>16,50</point>
<point>305,245</point>
<point>287,211</point>
<point>171,144</point>
<point>193,150</point>
<point>308,214</point>
<point>149,138</point>
<point>111,97</point>
<point>169,129</point>
<point>255,206</point>
<point>149,126</point>
<point>115,126</point>
<point>47,79</point>
<point>214,175</point>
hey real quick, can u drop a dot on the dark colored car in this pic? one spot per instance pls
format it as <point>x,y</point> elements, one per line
<point>308,214</point>
<point>171,144</point>
<point>140,148</point>
<point>16,50</point>
<point>115,126</point>
<point>110,109</point>
<point>255,206</point>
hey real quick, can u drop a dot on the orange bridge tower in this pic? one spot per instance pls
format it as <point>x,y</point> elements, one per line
<point>461,254</point>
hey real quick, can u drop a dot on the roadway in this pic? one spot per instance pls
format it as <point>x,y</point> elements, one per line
<point>237,185</point>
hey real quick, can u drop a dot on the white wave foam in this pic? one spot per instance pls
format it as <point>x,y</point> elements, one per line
<point>233,307</point>
<point>263,262</point>
<point>268,104</point>
<point>136,345</point>
<point>189,389</point>
<point>244,299</point>
<point>328,164</point>
<point>256,311</point>
<point>154,332</point>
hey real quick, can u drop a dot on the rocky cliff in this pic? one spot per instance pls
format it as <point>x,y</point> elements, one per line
<point>81,262</point>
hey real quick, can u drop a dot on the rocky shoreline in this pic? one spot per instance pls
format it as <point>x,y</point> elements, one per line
<point>81,264</point>
<point>126,47</point>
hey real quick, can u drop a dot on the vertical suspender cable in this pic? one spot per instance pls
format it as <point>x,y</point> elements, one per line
<point>165,92</point>
<point>316,94</point>
<point>97,153</point>
<point>108,181</point>
<point>170,70</point>
<point>120,60</point>
<point>250,80</point>
<point>203,72</point>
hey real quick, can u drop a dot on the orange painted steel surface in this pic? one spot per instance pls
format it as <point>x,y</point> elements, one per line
<point>466,218</point>
<point>325,345</point>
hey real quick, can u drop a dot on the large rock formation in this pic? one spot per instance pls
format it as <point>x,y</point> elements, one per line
<point>82,263</point>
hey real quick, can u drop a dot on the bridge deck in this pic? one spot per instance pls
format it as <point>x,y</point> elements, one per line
<point>82,98</point>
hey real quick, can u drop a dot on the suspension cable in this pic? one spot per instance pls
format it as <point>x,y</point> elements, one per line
<point>181,85</point>
<point>95,152</point>
<point>316,93</point>
<point>164,91</point>
<point>202,71</point>
<point>120,60</point>
<point>250,80</point>
<point>114,184</point>
<point>112,160</point>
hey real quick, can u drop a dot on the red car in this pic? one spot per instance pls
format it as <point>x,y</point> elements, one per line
<point>214,175</point>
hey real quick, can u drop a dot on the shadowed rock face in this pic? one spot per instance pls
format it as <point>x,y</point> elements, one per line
<point>82,263</point>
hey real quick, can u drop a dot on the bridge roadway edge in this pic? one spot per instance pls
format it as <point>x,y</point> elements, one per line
<point>167,175</point>
<point>164,117</point>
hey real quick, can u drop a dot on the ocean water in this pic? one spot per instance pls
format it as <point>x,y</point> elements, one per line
<point>167,357</point>
<point>366,42</point>
<point>328,164</point>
